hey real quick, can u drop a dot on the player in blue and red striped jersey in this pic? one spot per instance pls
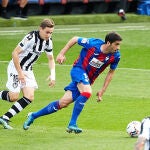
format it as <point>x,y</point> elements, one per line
<point>94,57</point>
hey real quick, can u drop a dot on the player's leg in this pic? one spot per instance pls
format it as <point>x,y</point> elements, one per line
<point>18,106</point>
<point>78,107</point>
<point>12,95</point>
<point>49,109</point>
<point>20,9</point>
<point>9,96</point>
<point>4,5</point>
<point>122,9</point>
<point>82,86</point>
<point>13,85</point>
<point>28,94</point>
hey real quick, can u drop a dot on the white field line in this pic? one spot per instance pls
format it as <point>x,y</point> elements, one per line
<point>74,31</point>
<point>132,69</point>
<point>78,29</point>
<point>71,30</point>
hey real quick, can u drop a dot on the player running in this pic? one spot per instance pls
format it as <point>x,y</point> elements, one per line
<point>20,73</point>
<point>94,57</point>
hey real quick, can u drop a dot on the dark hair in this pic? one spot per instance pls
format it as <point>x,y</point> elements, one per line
<point>112,37</point>
<point>47,23</point>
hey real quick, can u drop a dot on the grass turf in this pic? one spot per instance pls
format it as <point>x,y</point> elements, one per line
<point>76,19</point>
<point>104,124</point>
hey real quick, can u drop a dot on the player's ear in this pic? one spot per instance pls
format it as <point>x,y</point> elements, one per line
<point>108,43</point>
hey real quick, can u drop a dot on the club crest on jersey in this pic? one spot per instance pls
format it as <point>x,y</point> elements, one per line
<point>106,58</point>
<point>84,40</point>
<point>30,36</point>
<point>96,63</point>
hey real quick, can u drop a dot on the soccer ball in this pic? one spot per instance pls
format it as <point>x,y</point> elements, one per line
<point>133,128</point>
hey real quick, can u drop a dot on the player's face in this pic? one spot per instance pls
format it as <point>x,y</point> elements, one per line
<point>114,46</point>
<point>46,33</point>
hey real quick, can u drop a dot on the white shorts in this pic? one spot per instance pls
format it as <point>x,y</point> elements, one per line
<point>13,83</point>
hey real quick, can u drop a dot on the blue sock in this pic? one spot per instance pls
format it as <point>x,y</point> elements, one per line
<point>78,106</point>
<point>49,109</point>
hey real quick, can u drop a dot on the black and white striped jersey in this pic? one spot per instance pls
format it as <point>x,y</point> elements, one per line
<point>145,132</point>
<point>33,46</point>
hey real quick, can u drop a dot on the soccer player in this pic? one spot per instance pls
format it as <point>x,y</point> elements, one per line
<point>143,141</point>
<point>20,73</point>
<point>94,57</point>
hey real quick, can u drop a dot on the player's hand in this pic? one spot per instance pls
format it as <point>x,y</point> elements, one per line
<point>99,96</point>
<point>21,78</point>
<point>52,82</point>
<point>60,58</point>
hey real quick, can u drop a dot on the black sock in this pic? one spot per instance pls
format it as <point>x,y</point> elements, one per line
<point>19,10</point>
<point>17,107</point>
<point>5,95</point>
<point>4,9</point>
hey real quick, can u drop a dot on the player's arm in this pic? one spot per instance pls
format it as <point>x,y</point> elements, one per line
<point>61,56</point>
<point>15,57</point>
<point>105,85</point>
<point>139,145</point>
<point>51,64</point>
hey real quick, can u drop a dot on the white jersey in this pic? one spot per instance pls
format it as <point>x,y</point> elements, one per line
<point>32,46</point>
<point>145,132</point>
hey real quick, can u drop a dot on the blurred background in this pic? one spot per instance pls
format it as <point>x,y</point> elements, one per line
<point>57,7</point>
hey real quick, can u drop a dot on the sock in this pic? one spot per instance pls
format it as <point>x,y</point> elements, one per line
<point>49,109</point>
<point>19,10</point>
<point>4,95</point>
<point>78,106</point>
<point>17,107</point>
<point>4,9</point>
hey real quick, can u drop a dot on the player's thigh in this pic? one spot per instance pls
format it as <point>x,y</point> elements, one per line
<point>84,87</point>
<point>28,92</point>
<point>13,83</point>
<point>66,99</point>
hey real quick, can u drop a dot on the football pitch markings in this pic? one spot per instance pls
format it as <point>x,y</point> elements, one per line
<point>84,28</point>
<point>139,69</point>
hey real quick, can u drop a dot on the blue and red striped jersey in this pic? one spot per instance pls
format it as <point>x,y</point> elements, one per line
<point>93,60</point>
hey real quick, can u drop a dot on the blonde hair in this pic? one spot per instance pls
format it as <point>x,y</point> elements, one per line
<point>47,23</point>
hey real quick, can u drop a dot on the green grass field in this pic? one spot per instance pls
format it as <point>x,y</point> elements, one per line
<point>104,124</point>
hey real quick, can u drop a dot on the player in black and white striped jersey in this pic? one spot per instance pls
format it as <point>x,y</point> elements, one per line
<point>143,141</point>
<point>20,73</point>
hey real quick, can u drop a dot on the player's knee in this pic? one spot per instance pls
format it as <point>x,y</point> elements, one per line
<point>63,103</point>
<point>14,97</point>
<point>86,94</point>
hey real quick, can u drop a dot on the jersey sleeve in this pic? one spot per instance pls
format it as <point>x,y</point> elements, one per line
<point>49,48</point>
<point>90,42</point>
<point>145,129</point>
<point>27,41</point>
<point>114,65</point>
<point>84,42</point>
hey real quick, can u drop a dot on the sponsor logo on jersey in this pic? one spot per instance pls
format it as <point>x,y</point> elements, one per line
<point>96,63</point>
<point>106,58</point>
